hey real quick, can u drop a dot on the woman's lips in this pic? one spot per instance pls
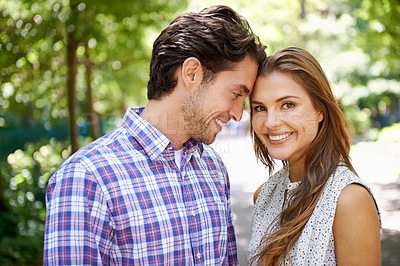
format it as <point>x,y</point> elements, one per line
<point>279,137</point>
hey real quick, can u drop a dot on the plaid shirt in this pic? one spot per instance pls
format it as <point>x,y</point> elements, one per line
<point>122,200</point>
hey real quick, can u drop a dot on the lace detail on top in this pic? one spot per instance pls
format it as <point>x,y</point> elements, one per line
<point>315,245</point>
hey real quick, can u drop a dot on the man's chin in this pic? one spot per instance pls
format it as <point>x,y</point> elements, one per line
<point>206,140</point>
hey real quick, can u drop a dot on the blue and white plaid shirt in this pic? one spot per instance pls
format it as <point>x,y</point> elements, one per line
<point>122,200</point>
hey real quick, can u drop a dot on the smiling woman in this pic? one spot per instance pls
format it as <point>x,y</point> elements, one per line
<point>315,210</point>
<point>284,118</point>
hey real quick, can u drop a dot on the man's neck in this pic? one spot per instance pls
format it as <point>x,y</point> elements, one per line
<point>165,116</point>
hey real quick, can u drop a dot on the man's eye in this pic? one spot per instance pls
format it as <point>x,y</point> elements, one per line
<point>237,95</point>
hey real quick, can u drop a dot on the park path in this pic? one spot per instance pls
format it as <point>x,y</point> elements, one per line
<point>378,164</point>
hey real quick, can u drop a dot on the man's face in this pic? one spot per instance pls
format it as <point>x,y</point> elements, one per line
<point>213,104</point>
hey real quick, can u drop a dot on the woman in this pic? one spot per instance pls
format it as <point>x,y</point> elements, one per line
<point>315,210</point>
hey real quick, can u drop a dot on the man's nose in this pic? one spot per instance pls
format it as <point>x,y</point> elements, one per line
<point>236,112</point>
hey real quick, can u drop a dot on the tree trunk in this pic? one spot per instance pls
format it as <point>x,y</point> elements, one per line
<point>72,61</point>
<point>92,116</point>
<point>303,9</point>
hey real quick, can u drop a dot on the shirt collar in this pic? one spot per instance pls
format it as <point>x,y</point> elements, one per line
<point>150,138</point>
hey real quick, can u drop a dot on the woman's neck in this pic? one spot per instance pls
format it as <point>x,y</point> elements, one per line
<point>296,171</point>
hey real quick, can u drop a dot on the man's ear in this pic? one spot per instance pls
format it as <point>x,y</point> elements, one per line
<point>192,72</point>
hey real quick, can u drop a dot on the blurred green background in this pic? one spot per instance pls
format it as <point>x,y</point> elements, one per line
<point>70,68</point>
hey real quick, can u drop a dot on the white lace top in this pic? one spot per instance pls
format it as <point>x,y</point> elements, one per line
<point>315,245</point>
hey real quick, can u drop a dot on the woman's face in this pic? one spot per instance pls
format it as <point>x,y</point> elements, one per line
<point>284,118</point>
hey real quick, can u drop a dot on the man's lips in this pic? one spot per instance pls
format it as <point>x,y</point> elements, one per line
<point>220,122</point>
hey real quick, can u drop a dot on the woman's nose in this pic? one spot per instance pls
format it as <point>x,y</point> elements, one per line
<point>272,120</point>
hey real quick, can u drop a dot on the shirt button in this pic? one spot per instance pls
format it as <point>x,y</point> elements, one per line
<point>193,213</point>
<point>198,255</point>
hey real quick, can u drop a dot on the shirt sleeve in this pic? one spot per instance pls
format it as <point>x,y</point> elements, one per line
<point>77,229</point>
<point>232,248</point>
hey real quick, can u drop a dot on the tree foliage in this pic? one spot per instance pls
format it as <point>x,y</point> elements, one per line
<point>116,37</point>
<point>22,218</point>
<point>378,23</point>
<point>356,42</point>
<point>110,48</point>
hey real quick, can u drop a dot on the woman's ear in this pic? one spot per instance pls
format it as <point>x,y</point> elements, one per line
<point>320,116</point>
<point>192,72</point>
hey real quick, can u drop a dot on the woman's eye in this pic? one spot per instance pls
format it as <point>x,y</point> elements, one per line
<point>259,108</point>
<point>288,105</point>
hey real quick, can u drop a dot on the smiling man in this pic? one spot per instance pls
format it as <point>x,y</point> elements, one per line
<point>152,192</point>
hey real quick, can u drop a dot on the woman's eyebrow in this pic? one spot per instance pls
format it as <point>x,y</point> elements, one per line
<point>286,97</point>
<point>278,100</point>
<point>256,102</point>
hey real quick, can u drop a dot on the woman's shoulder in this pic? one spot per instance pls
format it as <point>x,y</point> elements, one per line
<point>352,196</point>
<point>343,177</point>
<point>350,193</point>
<point>277,179</point>
<point>354,192</point>
<point>343,170</point>
<point>356,226</point>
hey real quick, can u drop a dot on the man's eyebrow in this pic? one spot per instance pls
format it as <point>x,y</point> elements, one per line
<point>243,88</point>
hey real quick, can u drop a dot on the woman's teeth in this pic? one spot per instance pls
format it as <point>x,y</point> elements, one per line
<point>279,137</point>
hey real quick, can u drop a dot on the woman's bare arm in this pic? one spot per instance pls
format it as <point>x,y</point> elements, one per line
<point>356,228</point>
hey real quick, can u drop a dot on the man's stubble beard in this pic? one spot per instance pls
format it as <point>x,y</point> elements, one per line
<point>195,123</point>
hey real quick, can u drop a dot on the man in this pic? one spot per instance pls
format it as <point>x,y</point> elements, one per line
<point>151,192</point>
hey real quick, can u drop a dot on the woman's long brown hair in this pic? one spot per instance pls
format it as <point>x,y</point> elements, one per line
<point>330,148</point>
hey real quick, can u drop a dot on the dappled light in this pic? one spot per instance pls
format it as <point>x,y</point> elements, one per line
<point>69,69</point>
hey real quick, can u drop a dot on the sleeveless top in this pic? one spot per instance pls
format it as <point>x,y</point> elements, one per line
<point>315,245</point>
